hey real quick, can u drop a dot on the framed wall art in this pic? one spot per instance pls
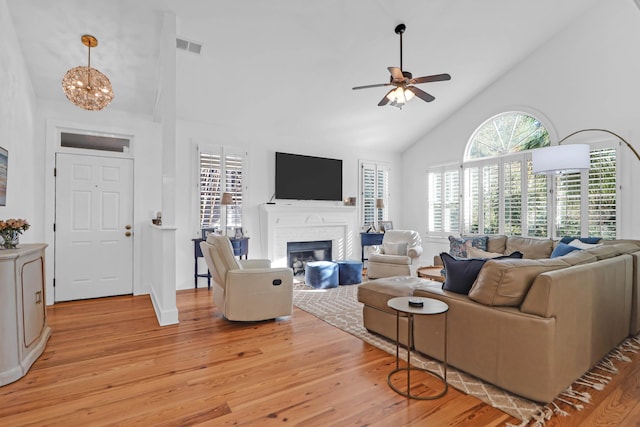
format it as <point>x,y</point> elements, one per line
<point>386,226</point>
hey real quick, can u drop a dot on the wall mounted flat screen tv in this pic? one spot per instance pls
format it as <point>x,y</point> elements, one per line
<point>301,177</point>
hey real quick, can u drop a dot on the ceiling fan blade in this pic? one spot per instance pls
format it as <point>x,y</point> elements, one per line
<point>434,78</point>
<point>396,73</point>
<point>385,100</point>
<point>421,94</point>
<point>368,86</point>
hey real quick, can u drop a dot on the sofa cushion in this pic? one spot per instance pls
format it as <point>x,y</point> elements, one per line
<point>458,245</point>
<point>497,244</point>
<point>531,248</point>
<point>461,273</point>
<point>626,247</point>
<point>578,257</point>
<point>563,249</point>
<point>395,248</point>
<point>506,282</point>
<point>479,253</point>
<point>376,293</point>
<point>604,251</point>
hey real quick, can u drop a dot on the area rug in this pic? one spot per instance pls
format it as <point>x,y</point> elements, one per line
<point>340,308</point>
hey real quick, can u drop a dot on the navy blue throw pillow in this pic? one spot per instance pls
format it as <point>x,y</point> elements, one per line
<point>563,249</point>
<point>462,272</point>
<point>589,240</point>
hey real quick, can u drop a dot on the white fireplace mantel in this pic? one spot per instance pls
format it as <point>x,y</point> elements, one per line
<point>280,224</point>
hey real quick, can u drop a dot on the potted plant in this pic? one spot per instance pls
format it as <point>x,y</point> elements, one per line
<point>10,231</point>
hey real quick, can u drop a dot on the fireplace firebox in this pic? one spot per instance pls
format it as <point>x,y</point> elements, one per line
<point>300,253</point>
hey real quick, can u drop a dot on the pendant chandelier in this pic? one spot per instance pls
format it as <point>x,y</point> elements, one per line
<point>87,87</point>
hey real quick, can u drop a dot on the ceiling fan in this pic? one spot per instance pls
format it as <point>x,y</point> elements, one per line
<point>402,80</point>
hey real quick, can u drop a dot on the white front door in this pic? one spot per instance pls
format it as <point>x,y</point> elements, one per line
<point>93,227</point>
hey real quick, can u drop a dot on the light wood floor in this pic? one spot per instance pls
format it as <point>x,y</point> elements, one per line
<point>109,363</point>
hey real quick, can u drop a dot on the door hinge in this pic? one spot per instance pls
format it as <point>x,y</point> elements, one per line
<point>54,282</point>
<point>54,227</point>
<point>55,171</point>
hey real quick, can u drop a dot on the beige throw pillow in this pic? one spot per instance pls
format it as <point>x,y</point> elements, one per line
<point>531,248</point>
<point>395,248</point>
<point>479,253</point>
<point>506,282</point>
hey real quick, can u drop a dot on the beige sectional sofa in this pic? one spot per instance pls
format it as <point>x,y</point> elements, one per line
<point>530,326</point>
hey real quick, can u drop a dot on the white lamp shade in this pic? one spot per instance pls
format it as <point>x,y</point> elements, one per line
<point>560,159</point>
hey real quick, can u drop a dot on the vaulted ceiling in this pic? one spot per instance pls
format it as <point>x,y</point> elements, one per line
<point>286,67</point>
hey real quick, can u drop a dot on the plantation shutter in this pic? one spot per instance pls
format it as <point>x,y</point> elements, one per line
<point>472,200</point>
<point>601,210</point>
<point>568,206</point>
<point>210,185</point>
<point>452,201</point>
<point>369,194</point>
<point>537,225</point>
<point>382,183</point>
<point>221,171</point>
<point>443,200</point>
<point>374,182</point>
<point>491,199</point>
<point>233,185</point>
<point>434,202</point>
<point>512,187</point>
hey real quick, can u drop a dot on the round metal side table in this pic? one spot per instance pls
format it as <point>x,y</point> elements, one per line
<point>430,306</point>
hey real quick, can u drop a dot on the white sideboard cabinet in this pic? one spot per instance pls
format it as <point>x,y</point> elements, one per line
<point>23,316</point>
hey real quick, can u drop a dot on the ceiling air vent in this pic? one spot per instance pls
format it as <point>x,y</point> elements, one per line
<point>189,46</point>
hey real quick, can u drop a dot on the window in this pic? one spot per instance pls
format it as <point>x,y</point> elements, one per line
<point>506,133</point>
<point>603,185</point>
<point>374,185</point>
<point>221,171</point>
<point>443,198</point>
<point>586,202</point>
<point>500,194</point>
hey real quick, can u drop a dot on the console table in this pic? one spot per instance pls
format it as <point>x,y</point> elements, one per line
<point>370,239</point>
<point>23,314</point>
<point>240,249</point>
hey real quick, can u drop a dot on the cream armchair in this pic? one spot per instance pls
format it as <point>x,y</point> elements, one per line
<point>247,290</point>
<point>394,257</point>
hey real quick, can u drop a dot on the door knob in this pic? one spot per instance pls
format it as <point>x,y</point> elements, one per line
<point>128,227</point>
<point>128,233</point>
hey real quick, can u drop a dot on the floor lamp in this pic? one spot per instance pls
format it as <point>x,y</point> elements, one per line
<point>568,158</point>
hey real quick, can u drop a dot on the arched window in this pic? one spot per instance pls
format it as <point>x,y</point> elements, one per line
<point>507,133</point>
<point>494,191</point>
<point>501,194</point>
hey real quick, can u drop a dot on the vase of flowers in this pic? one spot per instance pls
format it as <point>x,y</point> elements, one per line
<point>10,231</point>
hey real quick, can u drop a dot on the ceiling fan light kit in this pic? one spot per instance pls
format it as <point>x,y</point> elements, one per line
<point>87,87</point>
<point>403,81</point>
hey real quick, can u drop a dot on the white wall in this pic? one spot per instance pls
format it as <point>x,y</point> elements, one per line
<point>584,77</point>
<point>261,145</point>
<point>17,111</point>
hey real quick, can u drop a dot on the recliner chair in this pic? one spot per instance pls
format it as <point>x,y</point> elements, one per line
<point>246,290</point>
<point>395,256</point>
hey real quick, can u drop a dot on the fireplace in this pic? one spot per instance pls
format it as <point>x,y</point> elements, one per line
<point>280,224</point>
<point>300,253</point>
